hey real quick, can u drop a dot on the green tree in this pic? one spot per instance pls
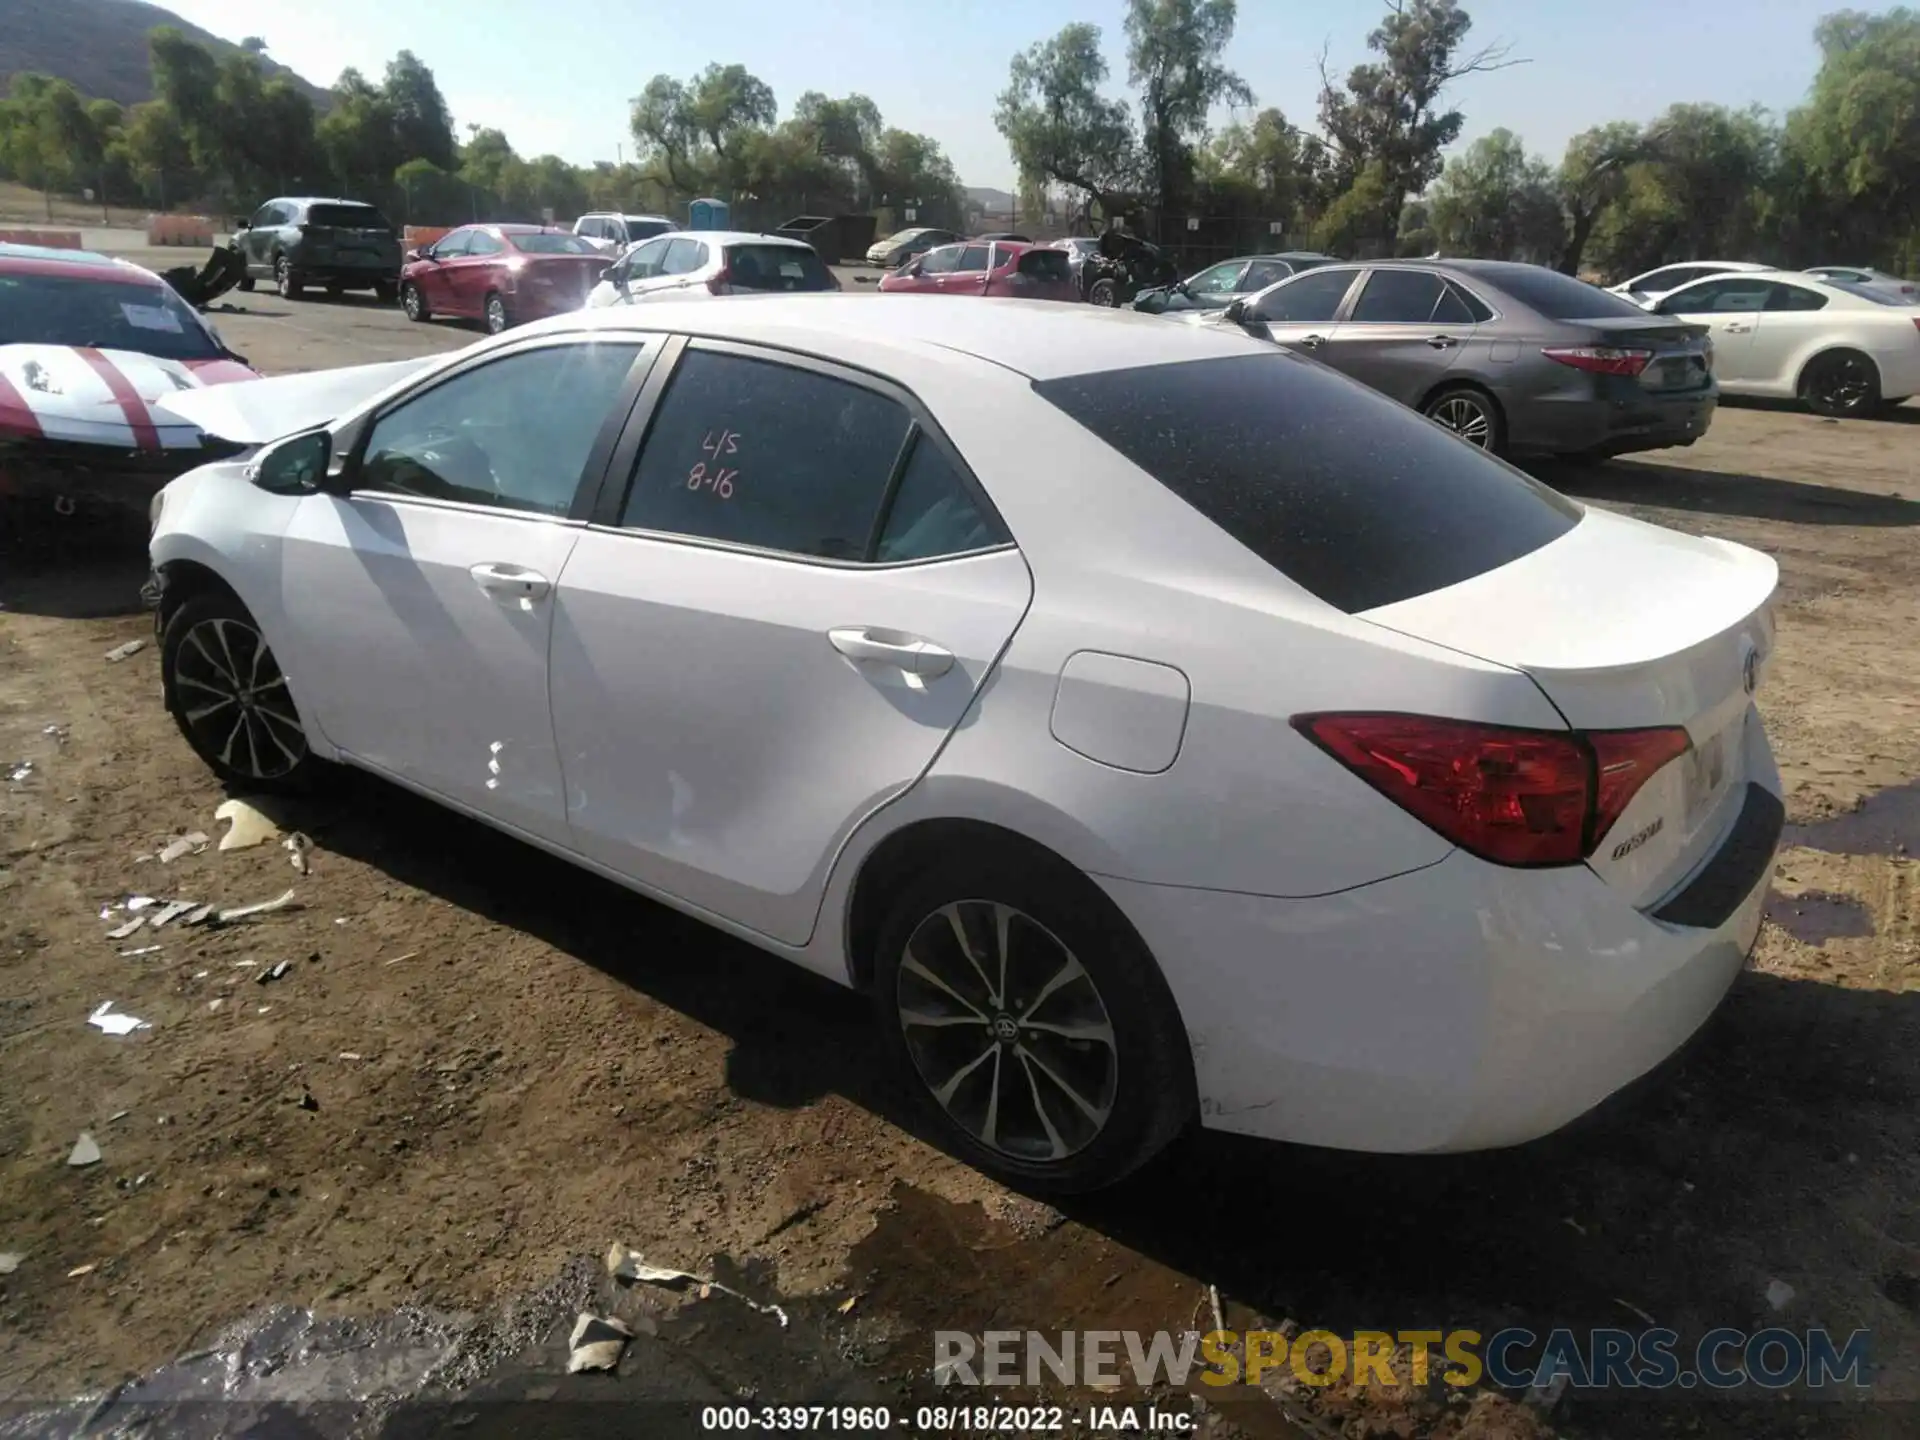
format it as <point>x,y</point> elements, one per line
<point>1497,201</point>
<point>1174,50</point>
<point>1060,128</point>
<point>1388,118</point>
<point>423,129</point>
<point>157,152</point>
<point>358,137</point>
<point>1593,177</point>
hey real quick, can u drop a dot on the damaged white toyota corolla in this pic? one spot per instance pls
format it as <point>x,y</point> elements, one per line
<point>1157,726</point>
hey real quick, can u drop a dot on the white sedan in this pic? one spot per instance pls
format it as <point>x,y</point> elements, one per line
<point>1837,347</point>
<point>1653,285</point>
<point>1158,726</point>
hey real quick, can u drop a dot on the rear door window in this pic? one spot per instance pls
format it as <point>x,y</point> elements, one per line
<point>1795,297</point>
<point>1308,299</point>
<point>1398,297</point>
<point>1048,265</point>
<point>1352,496</point>
<point>1262,273</point>
<point>973,257</point>
<point>783,269</point>
<point>932,512</point>
<point>756,452</point>
<point>1715,297</point>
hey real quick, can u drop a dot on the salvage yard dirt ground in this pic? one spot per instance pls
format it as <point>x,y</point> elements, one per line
<point>482,1065</point>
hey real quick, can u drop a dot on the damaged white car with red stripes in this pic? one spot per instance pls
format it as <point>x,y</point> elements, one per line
<point>88,347</point>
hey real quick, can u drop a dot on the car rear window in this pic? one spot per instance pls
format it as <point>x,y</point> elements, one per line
<point>1864,292</point>
<point>777,267</point>
<point>349,217</point>
<point>549,242</point>
<point>1557,296</point>
<point>639,229</point>
<point>1352,496</point>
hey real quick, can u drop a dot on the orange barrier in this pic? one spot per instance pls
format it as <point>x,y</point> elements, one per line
<point>418,235</point>
<point>179,230</point>
<point>52,239</point>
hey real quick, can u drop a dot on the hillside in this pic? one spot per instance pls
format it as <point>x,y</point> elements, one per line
<point>101,45</point>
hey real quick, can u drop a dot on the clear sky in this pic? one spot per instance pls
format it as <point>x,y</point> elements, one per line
<point>556,75</point>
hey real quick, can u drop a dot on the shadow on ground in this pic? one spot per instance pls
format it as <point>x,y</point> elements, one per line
<point>1715,492</point>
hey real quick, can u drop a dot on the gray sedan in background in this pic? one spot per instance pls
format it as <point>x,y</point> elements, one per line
<point>1516,359</point>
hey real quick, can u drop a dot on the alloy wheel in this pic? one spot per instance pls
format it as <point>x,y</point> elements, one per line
<point>1007,1030</point>
<point>1467,418</point>
<point>496,315</point>
<point>1843,383</point>
<point>410,299</point>
<point>1104,293</point>
<point>235,701</point>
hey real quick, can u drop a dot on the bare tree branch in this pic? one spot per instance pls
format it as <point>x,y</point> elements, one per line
<point>1484,60</point>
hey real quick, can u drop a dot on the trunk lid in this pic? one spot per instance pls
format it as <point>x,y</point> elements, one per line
<point>1625,625</point>
<point>1682,353</point>
<point>564,276</point>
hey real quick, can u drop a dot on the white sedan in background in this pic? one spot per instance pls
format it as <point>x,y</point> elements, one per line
<point>1157,726</point>
<point>1652,285</point>
<point>1837,347</point>
<point>1907,291</point>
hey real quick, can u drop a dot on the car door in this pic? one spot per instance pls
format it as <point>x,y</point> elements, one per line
<point>969,273</point>
<point>1782,332</point>
<point>472,275</point>
<point>1299,312</point>
<point>785,611</point>
<point>424,596</point>
<point>258,239</point>
<point>681,266</point>
<point>923,276</point>
<point>646,269</point>
<point>1729,306</point>
<point>434,276</point>
<point>1402,334</point>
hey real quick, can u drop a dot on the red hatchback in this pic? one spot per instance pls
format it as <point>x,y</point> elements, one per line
<point>500,275</point>
<point>1007,268</point>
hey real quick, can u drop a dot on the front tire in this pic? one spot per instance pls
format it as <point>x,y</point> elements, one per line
<point>287,280</point>
<point>1030,1023</point>
<point>1104,292</point>
<point>414,303</point>
<point>1842,384</point>
<point>1468,413</point>
<point>498,322</point>
<point>246,284</point>
<point>226,692</point>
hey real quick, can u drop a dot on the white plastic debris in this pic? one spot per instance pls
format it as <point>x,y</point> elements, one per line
<point>10,1261</point>
<point>297,846</point>
<point>596,1343</point>
<point>140,902</point>
<point>122,932</point>
<point>1779,1294</point>
<point>191,844</point>
<point>107,1019</point>
<point>22,770</point>
<point>200,916</point>
<point>246,826</point>
<point>86,1151</point>
<point>625,1263</point>
<point>265,907</point>
<point>121,652</point>
<point>139,950</point>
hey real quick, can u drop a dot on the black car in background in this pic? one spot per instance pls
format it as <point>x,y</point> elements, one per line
<point>297,241</point>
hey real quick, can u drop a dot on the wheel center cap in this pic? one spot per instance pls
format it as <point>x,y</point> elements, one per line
<point>1004,1027</point>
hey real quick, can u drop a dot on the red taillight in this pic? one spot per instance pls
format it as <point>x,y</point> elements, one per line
<point>718,282</point>
<point>1515,797</point>
<point>1600,359</point>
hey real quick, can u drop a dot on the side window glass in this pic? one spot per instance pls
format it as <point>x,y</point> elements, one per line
<point>941,261</point>
<point>754,452</point>
<point>1792,297</point>
<point>683,257</point>
<point>1220,277</point>
<point>932,514</point>
<point>1403,297</point>
<point>514,433</point>
<point>263,216</point>
<point>1458,301</point>
<point>449,247</point>
<point>483,244</point>
<point>1262,273</point>
<point>974,257</point>
<point>646,262</point>
<point>1310,299</point>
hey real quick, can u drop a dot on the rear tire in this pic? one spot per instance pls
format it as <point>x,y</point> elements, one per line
<point>1470,414</point>
<point>288,281</point>
<point>414,303</point>
<point>494,313</point>
<point>226,692</point>
<point>1098,1083</point>
<point>1841,384</point>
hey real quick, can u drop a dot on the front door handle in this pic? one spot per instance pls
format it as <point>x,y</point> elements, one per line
<point>1313,342</point>
<point>1443,342</point>
<point>511,582</point>
<point>1738,329</point>
<point>889,647</point>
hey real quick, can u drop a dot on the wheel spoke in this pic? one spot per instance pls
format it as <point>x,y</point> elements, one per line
<point>196,715</point>
<point>226,751</point>
<point>1097,1034</point>
<point>913,966</point>
<point>990,1130</point>
<point>207,655</point>
<point>1069,971</point>
<point>1096,1113</point>
<point>226,648</point>
<point>1003,942</point>
<point>944,1094</point>
<point>1058,1146</point>
<point>933,1021</point>
<point>293,756</point>
<point>959,928</point>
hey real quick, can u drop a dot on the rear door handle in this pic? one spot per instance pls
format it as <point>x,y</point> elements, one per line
<point>889,647</point>
<point>1443,342</point>
<point>510,582</point>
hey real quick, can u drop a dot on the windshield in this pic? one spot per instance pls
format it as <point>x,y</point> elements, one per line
<point>106,315</point>
<point>349,217</point>
<point>645,227</point>
<point>777,267</point>
<point>900,237</point>
<point>552,244</point>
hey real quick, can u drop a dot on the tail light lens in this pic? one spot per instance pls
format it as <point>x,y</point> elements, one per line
<point>1514,797</point>
<point>1600,359</point>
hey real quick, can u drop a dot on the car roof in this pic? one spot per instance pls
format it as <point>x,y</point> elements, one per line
<point>77,264</point>
<point>732,237</point>
<point>1033,338</point>
<point>319,200</point>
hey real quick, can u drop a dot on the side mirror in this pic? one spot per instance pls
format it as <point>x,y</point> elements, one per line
<point>244,225</point>
<point>1235,313</point>
<point>296,466</point>
<point>413,256</point>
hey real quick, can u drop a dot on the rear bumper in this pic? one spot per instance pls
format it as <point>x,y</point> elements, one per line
<point>355,274</point>
<point>1615,422</point>
<point>1463,1006</point>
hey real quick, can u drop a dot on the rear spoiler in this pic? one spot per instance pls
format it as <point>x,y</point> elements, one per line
<point>252,412</point>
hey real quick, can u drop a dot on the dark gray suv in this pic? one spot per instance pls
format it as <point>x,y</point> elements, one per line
<point>338,244</point>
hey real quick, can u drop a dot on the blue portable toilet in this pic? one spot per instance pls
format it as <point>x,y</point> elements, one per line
<point>707,214</point>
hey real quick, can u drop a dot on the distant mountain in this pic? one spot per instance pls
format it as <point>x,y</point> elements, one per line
<point>101,46</point>
<point>994,202</point>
